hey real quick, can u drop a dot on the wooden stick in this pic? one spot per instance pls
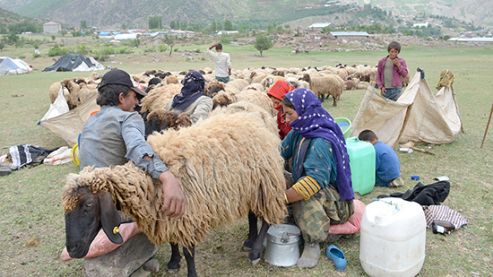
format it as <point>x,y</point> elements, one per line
<point>487,126</point>
<point>422,150</point>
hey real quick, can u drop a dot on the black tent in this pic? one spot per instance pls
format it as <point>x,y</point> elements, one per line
<point>75,62</point>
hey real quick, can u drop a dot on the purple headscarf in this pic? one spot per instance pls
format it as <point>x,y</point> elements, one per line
<point>315,122</point>
<point>193,88</point>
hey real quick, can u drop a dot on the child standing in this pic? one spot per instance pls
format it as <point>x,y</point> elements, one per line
<point>390,71</point>
<point>388,168</point>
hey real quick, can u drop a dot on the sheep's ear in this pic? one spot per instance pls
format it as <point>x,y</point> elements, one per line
<point>110,218</point>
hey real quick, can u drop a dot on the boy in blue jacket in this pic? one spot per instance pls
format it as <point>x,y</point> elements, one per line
<point>388,170</point>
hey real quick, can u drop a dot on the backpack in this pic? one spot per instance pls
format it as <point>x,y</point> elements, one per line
<point>425,195</point>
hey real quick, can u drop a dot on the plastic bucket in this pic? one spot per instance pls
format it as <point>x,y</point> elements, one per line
<point>345,125</point>
<point>75,155</point>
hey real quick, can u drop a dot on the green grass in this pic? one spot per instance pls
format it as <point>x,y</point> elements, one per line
<point>31,221</point>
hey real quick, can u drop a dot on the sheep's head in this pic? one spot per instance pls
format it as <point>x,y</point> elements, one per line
<point>183,120</point>
<point>86,213</point>
<point>213,88</point>
<point>306,78</point>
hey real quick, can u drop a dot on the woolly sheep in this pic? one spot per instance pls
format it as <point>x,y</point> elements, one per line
<point>158,97</point>
<point>327,85</point>
<point>223,172</point>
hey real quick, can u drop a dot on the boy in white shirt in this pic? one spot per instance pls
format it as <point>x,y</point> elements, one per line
<point>222,61</point>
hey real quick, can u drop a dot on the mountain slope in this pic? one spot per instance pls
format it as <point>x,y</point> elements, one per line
<point>135,13</point>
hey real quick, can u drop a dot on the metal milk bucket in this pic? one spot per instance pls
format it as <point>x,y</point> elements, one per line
<point>282,245</point>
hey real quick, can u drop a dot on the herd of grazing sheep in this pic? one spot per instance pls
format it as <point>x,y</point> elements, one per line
<point>324,81</point>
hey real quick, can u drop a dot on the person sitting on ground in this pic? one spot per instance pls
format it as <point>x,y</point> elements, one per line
<point>222,61</point>
<point>276,93</point>
<point>191,100</point>
<point>322,194</point>
<point>390,71</point>
<point>387,164</point>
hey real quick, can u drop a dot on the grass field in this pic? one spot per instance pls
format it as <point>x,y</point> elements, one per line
<point>31,218</point>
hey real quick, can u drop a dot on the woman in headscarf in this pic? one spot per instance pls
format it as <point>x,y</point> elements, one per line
<point>191,100</point>
<point>322,192</point>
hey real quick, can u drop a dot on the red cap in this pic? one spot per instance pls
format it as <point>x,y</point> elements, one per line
<point>279,89</point>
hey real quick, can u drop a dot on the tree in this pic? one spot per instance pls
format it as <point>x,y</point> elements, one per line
<point>213,26</point>
<point>170,41</point>
<point>155,22</point>
<point>263,43</point>
<point>172,25</point>
<point>228,26</point>
<point>83,25</point>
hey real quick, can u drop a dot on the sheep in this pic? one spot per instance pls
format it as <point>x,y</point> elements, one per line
<point>171,79</point>
<point>351,83</point>
<point>158,97</point>
<point>252,93</point>
<point>239,84</point>
<point>327,85</point>
<point>269,80</point>
<point>86,92</point>
<point>71,95</point>
<point>223,172</point>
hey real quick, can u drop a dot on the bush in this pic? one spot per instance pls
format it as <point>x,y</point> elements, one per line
<point>225,40</point>
<point>162,47</point>
<point>57,51</point>
<point>83,49</point>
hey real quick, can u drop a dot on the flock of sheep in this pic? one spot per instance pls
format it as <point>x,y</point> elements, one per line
<point>324,81</point>
<point>228,164</point>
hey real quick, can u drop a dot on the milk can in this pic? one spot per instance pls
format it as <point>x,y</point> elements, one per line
<point>282,245</point>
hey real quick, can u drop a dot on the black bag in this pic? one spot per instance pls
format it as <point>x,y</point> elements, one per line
<point>425,195</point>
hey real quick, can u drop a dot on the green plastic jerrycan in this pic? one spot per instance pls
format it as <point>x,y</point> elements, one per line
<point>362,163</point>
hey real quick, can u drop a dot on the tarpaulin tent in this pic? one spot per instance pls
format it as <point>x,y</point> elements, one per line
<point>75,62</point>
<point>419,115</point>
<point>68,124</point>
<point>13,66</point>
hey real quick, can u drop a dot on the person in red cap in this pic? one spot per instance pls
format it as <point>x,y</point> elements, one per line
<point>276,94</point>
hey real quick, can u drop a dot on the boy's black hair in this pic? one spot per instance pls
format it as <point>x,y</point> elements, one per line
<point>219,46</point>
<point>367,135</point>
<point>108,95</point>
<point>394,45</point>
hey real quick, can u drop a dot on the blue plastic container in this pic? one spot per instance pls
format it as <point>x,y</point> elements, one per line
<point>362,163</point>
<point>345,125</point>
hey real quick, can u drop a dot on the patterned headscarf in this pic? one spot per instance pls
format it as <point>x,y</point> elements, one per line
<point>315,122</point>
<point>193,88</point>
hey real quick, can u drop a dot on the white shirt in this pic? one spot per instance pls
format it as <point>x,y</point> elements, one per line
<point>223,62</point>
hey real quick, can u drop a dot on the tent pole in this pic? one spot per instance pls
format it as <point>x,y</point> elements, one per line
<point>458,112</point>
<point>487,126</point>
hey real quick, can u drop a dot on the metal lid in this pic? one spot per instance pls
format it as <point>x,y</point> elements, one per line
<point>283,233</point>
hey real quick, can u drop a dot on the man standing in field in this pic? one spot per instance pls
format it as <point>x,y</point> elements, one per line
<point>222,61</point>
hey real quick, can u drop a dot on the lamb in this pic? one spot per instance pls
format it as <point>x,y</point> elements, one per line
<point>326,85</point>
<point>224,175</point>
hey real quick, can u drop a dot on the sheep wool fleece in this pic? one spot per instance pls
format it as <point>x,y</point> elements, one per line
<point>224,174</point>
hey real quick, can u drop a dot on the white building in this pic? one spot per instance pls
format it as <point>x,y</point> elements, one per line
<point>52,27</point>
<point>319,25</point>
<point>421,25</point>
<point>349,34</point>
